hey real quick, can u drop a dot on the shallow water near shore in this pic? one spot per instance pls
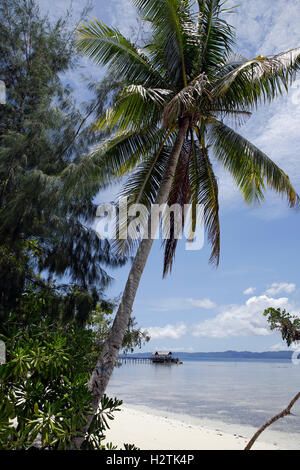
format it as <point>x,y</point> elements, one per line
<point>225,394</point>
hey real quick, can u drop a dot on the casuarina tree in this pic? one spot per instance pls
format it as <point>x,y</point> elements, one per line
<point>43,129</point>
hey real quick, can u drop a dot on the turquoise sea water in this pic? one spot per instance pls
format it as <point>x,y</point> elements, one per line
<point>234,392</point>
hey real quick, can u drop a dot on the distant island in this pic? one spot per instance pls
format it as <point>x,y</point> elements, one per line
<point>229,355</point>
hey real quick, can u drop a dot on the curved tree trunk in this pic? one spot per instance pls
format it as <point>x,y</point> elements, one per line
<point>103,370</point>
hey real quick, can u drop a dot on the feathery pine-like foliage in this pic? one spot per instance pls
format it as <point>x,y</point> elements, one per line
<point>69,302</point>
<point>186,69</point>
<point>42,132</point>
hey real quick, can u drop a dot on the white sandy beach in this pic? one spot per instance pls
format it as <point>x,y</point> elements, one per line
<point>152,431</point>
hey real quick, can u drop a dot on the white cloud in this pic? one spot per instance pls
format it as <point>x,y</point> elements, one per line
<point>262,25</point>
<point>232,320</point>
<point>240,320</point>
<point>279,287</point>
<point>249,291</point>
<point>123,16</point>
<point>180,303</point>
<point>203,303</point>
<point>168,331</point>
<point>283,347</point>
<point>278,347</point>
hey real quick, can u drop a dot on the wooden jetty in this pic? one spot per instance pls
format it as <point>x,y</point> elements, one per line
<point>158,357</point>
<point>134,359</point>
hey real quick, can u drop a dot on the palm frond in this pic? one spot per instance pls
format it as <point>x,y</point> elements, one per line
<point>172,222</point>
<point>187,100</point>
<point>237,117</point>
<point>134,108</point>
<point>204,190</point>
<point>107,46</point>
<point>167,41</point>
<point>216,37</point>
<point>249,166</point>
<point>142,187</point>
<point>185,71</point>
<point>110,160</point>
<point>157,95</point>
<point>189,20</point>
<point>257,80</point>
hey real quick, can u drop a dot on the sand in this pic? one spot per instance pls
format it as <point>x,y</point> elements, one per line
<point>160,431</point>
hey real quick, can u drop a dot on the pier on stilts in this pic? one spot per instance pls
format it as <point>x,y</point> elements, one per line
<point>134,359</point>
<point>158,357</point>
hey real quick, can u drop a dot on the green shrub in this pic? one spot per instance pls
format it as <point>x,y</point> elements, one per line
<point>44,398</point>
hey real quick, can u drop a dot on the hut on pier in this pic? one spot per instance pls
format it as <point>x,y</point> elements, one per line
<point>163,357</point>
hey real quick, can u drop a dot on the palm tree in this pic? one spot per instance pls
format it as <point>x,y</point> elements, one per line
<point>170,99</point>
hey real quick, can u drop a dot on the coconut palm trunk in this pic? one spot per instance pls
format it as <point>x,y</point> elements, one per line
<point>103,370</point>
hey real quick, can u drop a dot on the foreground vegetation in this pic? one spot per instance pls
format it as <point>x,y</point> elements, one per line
<point>50,353</point>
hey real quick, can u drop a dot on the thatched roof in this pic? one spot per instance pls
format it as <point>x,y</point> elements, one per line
<point>162,353</point>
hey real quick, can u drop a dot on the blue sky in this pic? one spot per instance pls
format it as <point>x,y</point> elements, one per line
<point>198,307</point>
